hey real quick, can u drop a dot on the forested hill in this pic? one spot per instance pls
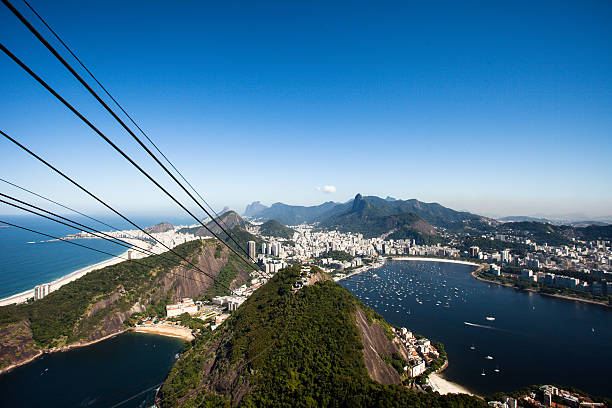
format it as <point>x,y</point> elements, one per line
<point>228,220</point>
<point>317,347</point>
<point>104,301</point>
<point>273,228</point>
<point>370,220</point>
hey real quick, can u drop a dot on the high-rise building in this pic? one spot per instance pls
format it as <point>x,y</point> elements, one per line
<point>41,291</point>
<point>251,249</point>
<point>474,251</point>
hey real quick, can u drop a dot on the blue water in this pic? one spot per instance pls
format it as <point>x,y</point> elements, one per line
<point>24,265</point>
<point>533,340</point>
<point>124,371</point>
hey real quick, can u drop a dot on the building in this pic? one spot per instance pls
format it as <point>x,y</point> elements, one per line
<point>41,291</point>
<point>416,368</point>
<point>495,270</point>
<point>505,256</point>
<point>186,305</point>
<point>251,249</point>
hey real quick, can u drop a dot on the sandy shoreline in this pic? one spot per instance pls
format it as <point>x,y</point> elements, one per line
<point>443,386</point>
<point>169,330</point>
<point>56,284</point>
<point>417,258</point>
<point>182,333</point>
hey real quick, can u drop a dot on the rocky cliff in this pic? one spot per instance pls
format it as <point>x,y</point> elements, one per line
<point>103,302</point>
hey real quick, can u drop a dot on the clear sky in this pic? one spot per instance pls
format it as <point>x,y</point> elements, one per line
<point>500,108</point>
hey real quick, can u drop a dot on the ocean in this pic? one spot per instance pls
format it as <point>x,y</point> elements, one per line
<point>533,339</point>
<point>26,261</point>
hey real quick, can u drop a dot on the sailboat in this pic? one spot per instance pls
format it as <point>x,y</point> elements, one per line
<point>496,369</point>
<point>483,373</point>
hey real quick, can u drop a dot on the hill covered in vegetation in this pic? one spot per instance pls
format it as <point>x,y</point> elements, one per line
<point>104,301</point>
<point>371,220</point>
<point>273,228</point>
<point>315,347</point>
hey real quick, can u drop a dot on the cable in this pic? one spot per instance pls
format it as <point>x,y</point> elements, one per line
<point>110,238</point>
<point>94,128</point>
<point>121,108</point>
<point>94,196</point>
<point>114,115</point>
<point>61,205</point>
<point>93,249</point>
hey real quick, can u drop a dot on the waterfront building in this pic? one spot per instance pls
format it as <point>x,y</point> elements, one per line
<point>474,251</point>
<point>495,269</point>
<point>41,291</point>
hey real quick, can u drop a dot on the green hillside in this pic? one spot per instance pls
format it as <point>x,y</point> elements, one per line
<point>284,349</point>
<point>103,301</point>
<point>273,228</point>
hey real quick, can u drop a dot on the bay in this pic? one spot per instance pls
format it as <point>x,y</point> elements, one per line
<point>533,339</point>
<point>123,371</point>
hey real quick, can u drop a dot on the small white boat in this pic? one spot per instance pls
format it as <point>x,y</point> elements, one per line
<point>489,318</point>
<point>489,358</point>
<point>483,373</point>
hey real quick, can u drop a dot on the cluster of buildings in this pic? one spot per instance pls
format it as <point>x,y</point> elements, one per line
<point>547,396</point>
<point>421,352</point>
<point>581,256</point>
<point>599,287</point>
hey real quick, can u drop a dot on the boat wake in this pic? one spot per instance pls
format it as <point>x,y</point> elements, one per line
<point>483,326</point>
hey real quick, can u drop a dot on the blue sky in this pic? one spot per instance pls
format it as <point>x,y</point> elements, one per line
<point>499,108</point>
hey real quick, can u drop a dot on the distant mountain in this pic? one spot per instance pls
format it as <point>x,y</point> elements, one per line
<point>161,227</point>
<point>254,208</point>
<point>522,218</point>
<point>433,213</point>
<point>295,214</point>
<point>389,198</point>
<point>556,234</point>
<point>581,224</point>
<point>273,228</point>
<point>227,220</point>
<point>368,217</point>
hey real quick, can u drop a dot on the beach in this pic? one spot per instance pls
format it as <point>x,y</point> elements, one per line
<point>168,330</point>
<point>444,386</point>
<point>58,283</point>
<point>416,258</point>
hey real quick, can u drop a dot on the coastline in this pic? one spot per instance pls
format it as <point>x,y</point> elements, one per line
<point>443,386</point>
<point>418,258</point>
<point>61,281</point>
<point>177,334</point>
<point>553,295</point>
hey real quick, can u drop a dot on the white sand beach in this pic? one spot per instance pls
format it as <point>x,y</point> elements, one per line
<point>416,258</point>
<point>58,283</point>
<point>444,386</point>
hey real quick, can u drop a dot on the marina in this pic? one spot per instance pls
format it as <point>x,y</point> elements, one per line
<point>485,327</point>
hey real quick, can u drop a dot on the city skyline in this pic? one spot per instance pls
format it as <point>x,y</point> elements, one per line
<point>498,109</point>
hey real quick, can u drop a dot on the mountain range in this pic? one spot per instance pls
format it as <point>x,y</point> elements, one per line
<point>433,213</point>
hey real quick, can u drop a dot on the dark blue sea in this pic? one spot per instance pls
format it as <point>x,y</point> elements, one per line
<point>26,261</point>
<point>122,372</point>
<point>533,339</point>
